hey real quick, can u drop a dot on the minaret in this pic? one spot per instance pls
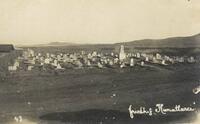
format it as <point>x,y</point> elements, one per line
<point>122,54</point>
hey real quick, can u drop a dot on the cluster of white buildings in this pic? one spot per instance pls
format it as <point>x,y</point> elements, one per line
<point>61,61</point>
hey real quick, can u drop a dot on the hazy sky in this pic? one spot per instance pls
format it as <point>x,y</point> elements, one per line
<point>96,21</point>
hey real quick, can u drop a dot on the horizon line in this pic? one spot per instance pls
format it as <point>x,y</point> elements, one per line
<point>101,43</point>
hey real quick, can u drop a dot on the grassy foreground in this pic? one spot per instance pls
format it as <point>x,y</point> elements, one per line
<point>96,95</point>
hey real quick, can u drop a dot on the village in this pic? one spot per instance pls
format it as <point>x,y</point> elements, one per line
<point>31,60</point>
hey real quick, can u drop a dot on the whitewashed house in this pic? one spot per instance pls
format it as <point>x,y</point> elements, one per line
<point>47,61</point>
<point>99,65</point>
<point>111,63</point>
<point>138,55</point>
<point>142,63</point>
<point>59,67</point>
<point>12,68</point>
<point>132,62</point>
<point>94,53</point>
<point>88,63</point>
<point>55,63</point>
<point>16,64</point>
<point>116,60</point>
<point>30,67</point>
<point>158,56</point>
<point>163,62</point>
<point>122,65</point>
<point>146,58</point>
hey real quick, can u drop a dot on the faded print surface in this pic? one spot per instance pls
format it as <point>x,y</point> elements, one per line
<point>99,62</point>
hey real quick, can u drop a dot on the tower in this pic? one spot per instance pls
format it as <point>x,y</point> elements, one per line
<point>122,54</point>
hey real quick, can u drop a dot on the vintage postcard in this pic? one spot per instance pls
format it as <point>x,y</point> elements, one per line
<point>99,62</point>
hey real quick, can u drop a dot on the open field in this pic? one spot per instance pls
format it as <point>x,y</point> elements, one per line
<point>77,95</point>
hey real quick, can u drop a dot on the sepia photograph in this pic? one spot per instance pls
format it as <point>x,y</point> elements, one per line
<point>99,62</point>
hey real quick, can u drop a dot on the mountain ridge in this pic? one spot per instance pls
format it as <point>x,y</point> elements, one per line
<point>171,42</point>
<point>179,42</point>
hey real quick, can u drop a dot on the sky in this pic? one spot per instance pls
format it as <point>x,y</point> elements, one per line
<point>96,21</point>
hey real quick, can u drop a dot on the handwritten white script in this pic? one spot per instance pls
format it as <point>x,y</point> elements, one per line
<point>158,109</point>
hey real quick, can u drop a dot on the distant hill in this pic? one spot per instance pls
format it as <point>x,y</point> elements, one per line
<point>59,44</point>
<point>174,42</point>
<point>50,44</point>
